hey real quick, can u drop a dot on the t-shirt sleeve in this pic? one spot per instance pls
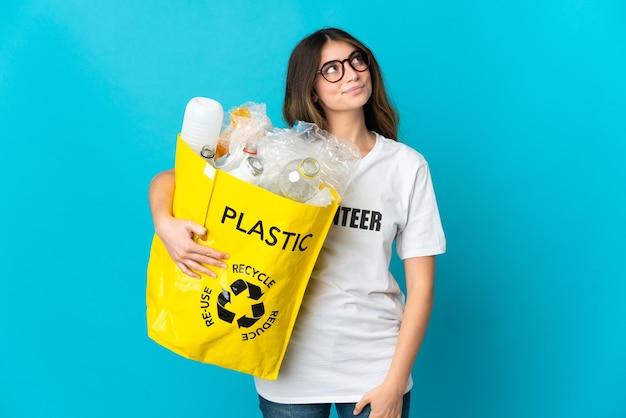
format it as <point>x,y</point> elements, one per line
<point>422,235</point>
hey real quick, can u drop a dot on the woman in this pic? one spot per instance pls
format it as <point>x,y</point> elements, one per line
<point>356,337</point>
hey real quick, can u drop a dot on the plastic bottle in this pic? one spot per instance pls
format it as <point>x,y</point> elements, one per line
<point>202,123</point>
<point>245,165</point>
<point>299,179</point>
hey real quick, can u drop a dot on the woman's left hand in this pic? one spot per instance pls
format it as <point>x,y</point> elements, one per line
<point>384,402</point>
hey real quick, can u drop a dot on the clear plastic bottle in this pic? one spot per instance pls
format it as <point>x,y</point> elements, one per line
<point>299,180</point>
<point>245,165</point>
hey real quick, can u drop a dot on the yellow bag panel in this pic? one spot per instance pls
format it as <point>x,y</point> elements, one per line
<point>243,319</point>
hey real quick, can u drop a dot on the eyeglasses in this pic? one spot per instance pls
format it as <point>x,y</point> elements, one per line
<point>333,71</point>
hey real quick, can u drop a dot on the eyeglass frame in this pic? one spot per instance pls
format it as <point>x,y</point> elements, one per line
<point>364,55</point>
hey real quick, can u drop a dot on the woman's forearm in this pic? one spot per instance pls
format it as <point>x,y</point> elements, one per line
<point>420,273</point>
<point>161,196</point>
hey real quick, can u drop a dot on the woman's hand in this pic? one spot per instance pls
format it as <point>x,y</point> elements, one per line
<point>384,402</point>
<point>178,236</point>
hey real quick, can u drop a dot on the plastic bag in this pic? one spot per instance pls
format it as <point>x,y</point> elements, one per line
<point>245,123</point>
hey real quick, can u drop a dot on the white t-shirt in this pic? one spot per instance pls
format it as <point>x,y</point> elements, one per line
<point>347,328</point>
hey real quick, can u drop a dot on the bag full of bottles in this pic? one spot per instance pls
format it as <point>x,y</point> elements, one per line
<point>267,196</point>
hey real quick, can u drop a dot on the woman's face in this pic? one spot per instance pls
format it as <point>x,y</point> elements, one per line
<point>348,94</point>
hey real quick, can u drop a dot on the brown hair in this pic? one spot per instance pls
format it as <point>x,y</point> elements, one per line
<point>380,116</point>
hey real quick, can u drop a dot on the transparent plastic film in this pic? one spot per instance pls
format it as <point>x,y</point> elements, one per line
<point>247,127</point>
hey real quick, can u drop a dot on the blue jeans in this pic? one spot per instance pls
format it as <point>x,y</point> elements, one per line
<point>319,410</point>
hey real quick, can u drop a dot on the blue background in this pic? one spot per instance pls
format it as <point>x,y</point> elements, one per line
<point>519,106</point>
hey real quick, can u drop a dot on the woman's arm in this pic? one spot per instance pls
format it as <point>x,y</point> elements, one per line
<point>178,234</point>
<point>386,399</point>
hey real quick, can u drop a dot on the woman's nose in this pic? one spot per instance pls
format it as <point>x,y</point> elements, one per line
<point>350,73</point>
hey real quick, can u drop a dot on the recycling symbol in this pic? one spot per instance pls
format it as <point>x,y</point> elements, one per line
<point>238,288</point>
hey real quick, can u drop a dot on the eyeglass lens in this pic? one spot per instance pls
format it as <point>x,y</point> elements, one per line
<point>333,70</point>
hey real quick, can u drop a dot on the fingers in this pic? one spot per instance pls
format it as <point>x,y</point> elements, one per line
<point>380,406</point>
<point>187,271</point>
<point>202,254</point>
<point>197,229</point>
<point>358,408</point>
<point>191,257</point>
<point>197,258</point>
<point>211,255</point>
<point>192,268</point>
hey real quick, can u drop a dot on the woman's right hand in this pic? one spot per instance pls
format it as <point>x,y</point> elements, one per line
<point>192,258</point>
<point>178,235</point>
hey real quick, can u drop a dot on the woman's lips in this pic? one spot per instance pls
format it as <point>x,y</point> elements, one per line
<point>354,90</point>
